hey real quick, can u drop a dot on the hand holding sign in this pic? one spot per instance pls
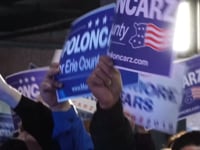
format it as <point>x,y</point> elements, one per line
<point>48,89</point>
<point>105,83</point>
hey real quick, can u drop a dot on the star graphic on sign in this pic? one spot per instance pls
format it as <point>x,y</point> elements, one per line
<point>33,79</point>
<point>97,22</point>
<point>89,24</point>
<point>104,19</point>
<point>20,81</point>
<point>26,80</point>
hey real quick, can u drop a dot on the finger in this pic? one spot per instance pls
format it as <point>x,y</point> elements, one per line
<point>53,70</point>
<point>107,60</point>
<point>94,80</point>
<point>51,84</point>
<point>57,84</point>
<point>103,76</point>
<point>106,65</point>
<point>46,86</point>
<point>54,65</point>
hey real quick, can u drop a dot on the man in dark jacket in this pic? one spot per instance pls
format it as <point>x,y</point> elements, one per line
<point>110,130</point>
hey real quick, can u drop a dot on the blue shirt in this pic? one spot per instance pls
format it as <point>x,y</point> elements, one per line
<point>69,131</point>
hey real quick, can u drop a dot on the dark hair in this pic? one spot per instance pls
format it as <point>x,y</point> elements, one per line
<point>189,138</point>
<point>14,144</point>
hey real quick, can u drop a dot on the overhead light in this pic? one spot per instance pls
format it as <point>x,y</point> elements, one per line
<point>182,36</point>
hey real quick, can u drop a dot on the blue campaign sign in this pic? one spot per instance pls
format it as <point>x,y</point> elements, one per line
<point>28,81</point>
<point>89,38</point>
<point>191,94</point>
<point>141,36</point>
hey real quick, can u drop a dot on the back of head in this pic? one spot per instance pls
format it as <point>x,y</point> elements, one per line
<point>187,139</point>
<point>14,144</point>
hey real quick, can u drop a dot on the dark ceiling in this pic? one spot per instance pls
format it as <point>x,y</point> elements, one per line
<point>28,16</point>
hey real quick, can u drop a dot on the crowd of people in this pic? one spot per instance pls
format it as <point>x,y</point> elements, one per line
<point>49,125</point>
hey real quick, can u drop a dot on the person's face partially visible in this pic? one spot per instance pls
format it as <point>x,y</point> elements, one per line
<point>191,147</point>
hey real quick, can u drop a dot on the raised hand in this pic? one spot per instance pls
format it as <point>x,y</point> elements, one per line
<point>105,83</point>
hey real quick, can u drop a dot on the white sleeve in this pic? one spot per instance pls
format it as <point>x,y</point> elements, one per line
<point>8,94</point>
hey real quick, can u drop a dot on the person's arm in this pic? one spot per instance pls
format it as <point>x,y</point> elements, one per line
<point>8,94</point>
<point>69,131</point>
<point>109,127</point>
<point>111,130</point>
<point>36,118</point>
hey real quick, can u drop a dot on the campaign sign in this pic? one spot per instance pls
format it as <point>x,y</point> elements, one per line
<point>6,122</point>
<point>191,95</point>
<point>141,36</point>
<point>85,106</point>
<point>27,82</point>
<point>155,100</point>
<point>89,38</point>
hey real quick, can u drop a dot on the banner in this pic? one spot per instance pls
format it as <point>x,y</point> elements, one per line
<point>27,82</point>
<point>191,95</point>
<point>154,101</point>
<point>6,122</point>
<point>89,38</point>
<point>142,34</point>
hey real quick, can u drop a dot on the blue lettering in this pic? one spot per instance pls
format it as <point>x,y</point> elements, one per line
<point>69,66</point>
<point>88,63</point>
<point>158,91</point>
<point>103,37</point>
<point>162,10</point>
<point>85,42</point>
<point>126,98</point>
<point>89,40</point>
<point>192,78</point>
<point>138,102</point>
<point>145,104</point>
<point>94,39</point>
<point>156,123</point>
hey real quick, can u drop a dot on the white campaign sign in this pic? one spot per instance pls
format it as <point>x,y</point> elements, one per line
<point>84,104</point>
<point>154,101</point>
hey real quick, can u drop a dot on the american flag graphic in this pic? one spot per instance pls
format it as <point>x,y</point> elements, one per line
<point>149,35</point>
<point>196,92</point>
<point>191,94</point>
